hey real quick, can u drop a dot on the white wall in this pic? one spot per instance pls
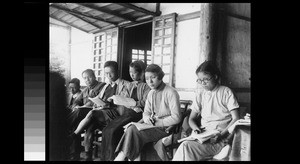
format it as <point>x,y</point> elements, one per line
<point>81,53</point>
<point>187,47</point>
<point>179,8</point>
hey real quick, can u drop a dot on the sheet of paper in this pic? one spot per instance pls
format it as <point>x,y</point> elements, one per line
<point>97,101</point>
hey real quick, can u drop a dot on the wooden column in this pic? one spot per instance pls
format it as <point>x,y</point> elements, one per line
<point>206,32</point>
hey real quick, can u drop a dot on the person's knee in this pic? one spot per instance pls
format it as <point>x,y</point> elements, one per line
<point>92,114</point>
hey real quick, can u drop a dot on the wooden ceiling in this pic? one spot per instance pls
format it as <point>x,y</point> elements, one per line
<point>96,17</point>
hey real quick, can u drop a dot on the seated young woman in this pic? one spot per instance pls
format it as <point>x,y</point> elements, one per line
<point>138,91</point>
<point>217,106</point>
<point>162,109</point>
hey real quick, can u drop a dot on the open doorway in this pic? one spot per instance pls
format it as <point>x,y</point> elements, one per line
<point>136,46</point>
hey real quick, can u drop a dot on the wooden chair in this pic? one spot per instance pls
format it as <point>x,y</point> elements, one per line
<point>175,130</point>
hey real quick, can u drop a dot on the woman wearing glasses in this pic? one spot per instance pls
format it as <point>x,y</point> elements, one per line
<point>162,109</point>
<point>217,106</point>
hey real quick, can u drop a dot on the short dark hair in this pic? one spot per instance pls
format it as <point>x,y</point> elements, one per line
<point>89,71</point>
<point>112,64</point>
<point>155,69</point>
<point>138,65</point>
<point>209,67</point>
<point>75,81</point>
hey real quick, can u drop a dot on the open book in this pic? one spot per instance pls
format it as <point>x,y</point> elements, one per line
<point>139,126</point>
<point>97,101</point>
<point>125,101</point>
<point>204,136</point>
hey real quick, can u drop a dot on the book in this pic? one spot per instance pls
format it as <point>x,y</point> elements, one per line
<point>139,126</point>
<point>97,101</point>
<point>85,107</point>
<point>202,137</point>
<point>125,101</point>
<point>246,122</point>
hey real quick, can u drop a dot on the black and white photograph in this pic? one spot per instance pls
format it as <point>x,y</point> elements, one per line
<point>149,82</point>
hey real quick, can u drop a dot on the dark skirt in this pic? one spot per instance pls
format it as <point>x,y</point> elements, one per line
<point>133,140</point>
<point>113,132</point>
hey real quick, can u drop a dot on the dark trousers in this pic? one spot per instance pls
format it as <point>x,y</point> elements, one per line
<point>113,132</point>
<point>99,120</point>
<point>74,119</point>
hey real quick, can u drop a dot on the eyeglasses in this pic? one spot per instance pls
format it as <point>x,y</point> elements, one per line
<point>204,80</point>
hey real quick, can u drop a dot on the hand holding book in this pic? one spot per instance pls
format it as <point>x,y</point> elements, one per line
<point>121,100</point>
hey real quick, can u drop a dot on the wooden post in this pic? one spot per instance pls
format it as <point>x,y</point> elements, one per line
<point>206,32</point>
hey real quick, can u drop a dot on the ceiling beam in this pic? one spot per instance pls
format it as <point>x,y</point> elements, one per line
<point>133,7</point>
<point>85,20</point>
<point>106,11</point>
<point>69,24</point>
<point>82,14</point>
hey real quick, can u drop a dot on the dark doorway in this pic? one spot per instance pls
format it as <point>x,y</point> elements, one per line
<point>136,45</point>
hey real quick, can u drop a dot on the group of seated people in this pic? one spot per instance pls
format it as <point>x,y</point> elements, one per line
<point>154,103</point>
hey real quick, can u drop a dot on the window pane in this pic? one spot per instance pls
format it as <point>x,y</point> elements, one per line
<point>166,78</point>
<point>141,57</point>
<point>114,48</point>
<point>114,34</point>
<point>95,59</point>
<point>96,38</point>
<point>166,68</point>
<point>114,41</point>
<point>157,50</point>
<point>108,50</point>
<point>95,45</point>
<point>108,35</point>
<point>168,21</point>
<point>166,59</point>
<point>158,32</point>
<point>100,58</point>
<point>167,40</point>
<point>157,60</point>
<point>141,52</point>
<point>114,57</point>
<point>108,43</point>
<point>94,66</point>
<point>166,50</point>
<point>107,57</point>
<point>99,66</point>
<point>158,41</point>
<point>168,31</point>
<point>95,52</point>
<point>100,51</point>
<point>134,56</point>
<point>101,45</point>
<point>149,57</point>
<point>134,51</point>
<point>158,23</point>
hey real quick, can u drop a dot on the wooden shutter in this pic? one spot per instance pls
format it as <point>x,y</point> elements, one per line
<point>163,40</point>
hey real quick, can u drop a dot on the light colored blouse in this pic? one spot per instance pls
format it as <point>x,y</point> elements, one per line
<point>214,107</point>
<point>165,103</point>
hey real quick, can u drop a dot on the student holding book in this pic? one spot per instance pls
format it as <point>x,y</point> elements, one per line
<point>81,106</point>
<point>101,115</point>
<point>162,109</point>
<point>217,106</point>
<point>133,109</point>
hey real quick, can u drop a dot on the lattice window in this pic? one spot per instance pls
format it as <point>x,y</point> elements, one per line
<point>105,48</point>
<point>143,55</point>
<point>163,35</point>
